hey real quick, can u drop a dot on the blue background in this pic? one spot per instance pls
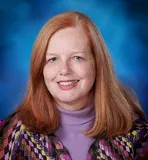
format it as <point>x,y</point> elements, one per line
<point>123,24</point>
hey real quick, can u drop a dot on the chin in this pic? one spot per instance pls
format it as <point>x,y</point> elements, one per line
<point>66,100</point>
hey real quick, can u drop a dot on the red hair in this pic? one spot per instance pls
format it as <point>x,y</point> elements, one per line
<point>115,107</point>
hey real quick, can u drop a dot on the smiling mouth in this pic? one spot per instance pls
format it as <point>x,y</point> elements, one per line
<point>68,83</point>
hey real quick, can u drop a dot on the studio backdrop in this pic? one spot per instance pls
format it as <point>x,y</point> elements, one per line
<point>123,24</point>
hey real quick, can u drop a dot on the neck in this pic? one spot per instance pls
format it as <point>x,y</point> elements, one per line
<point>77,117</point>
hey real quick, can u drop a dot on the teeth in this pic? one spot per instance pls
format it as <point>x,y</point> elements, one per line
<point>68,83</point>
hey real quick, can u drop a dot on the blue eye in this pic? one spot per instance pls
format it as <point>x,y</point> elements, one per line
<point>78,58</point>
<point>52,59</point>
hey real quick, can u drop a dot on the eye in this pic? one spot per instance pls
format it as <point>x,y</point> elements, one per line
<point>78,58</point>
<point>52,59</point>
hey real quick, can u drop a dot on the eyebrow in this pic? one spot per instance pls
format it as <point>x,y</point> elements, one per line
<point>75,52</point>
<point>51,54</point>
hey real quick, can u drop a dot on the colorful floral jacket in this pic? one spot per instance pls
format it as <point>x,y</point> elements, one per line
<point>18,143</point>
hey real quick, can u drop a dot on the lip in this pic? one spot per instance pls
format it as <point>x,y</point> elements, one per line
<point>67,87</point>
<point>67,80</point>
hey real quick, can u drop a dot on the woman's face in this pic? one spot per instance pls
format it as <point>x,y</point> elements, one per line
<point>69,72</point>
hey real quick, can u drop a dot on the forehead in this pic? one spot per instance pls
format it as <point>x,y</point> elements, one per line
<point>69,38</point>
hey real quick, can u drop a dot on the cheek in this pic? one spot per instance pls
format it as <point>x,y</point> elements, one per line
<point>48,74</point>
<point>87,71</point>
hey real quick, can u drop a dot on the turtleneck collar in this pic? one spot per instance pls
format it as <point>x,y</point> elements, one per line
<point>77,117</point>
<point>70,131</point>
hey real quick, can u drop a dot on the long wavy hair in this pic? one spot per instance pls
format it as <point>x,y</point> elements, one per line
<point>116,107</point>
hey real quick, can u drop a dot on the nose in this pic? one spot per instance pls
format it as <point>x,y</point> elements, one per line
<point>65,68</point>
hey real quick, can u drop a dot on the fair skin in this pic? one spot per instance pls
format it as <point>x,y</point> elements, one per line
<point>69,72</point>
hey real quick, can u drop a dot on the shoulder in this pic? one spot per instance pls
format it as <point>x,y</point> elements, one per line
<point>16,141</point>
<point>10,131</point>
<point>132,145</point>
<point>139,130</point>
<point>139,136</point>
<point>8,125</point>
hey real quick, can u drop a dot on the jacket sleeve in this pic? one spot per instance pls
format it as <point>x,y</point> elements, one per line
<point>141,142</point>
<point>6,129</point>
<point>2,146</point>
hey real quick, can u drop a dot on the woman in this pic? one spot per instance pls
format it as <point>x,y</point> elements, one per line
<point>74,108</point>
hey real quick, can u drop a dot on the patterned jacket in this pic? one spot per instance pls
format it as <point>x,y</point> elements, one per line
<point>18,143</point>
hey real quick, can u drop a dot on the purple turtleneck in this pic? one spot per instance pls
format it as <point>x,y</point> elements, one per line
<point>69,132</point>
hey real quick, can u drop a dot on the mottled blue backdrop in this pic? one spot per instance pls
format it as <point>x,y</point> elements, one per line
<point>123,24</point>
